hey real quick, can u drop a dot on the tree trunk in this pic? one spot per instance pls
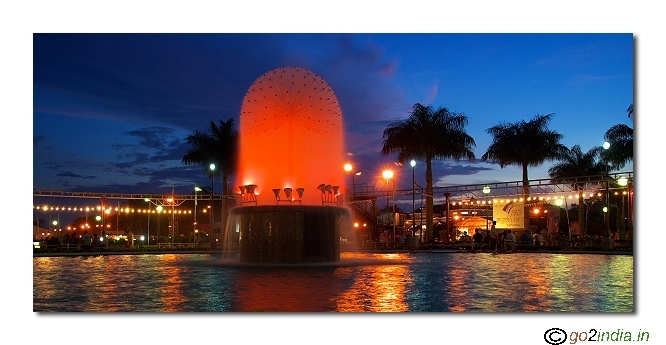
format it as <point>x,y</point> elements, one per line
<point>428,197</point>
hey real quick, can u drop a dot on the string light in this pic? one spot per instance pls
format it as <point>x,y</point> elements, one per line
<point>106,210</point>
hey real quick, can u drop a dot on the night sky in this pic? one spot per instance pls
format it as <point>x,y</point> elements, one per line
<point>110,112</point>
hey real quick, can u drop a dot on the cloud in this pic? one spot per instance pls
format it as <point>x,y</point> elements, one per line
<point>71,174</point>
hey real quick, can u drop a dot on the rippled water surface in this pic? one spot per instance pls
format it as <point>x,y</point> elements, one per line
<point>417,282</point>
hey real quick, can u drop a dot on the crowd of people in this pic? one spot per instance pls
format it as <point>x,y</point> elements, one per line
<point>72,240</point>
<point>504,241</point>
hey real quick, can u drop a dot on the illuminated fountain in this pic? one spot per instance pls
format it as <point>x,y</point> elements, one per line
<point>290,139</point>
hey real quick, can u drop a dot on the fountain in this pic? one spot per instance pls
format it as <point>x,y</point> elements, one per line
<point>290,139</point>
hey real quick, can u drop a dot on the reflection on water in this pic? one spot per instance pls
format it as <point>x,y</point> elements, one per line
<point>360,282</point>
<point>375,288</point>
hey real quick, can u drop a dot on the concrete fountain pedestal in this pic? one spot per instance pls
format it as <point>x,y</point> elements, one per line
<point>289,233</point>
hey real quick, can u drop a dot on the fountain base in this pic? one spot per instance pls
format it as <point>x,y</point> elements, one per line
<point>288,233</point>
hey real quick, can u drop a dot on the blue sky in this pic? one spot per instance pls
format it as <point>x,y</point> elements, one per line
<point>111,111</point>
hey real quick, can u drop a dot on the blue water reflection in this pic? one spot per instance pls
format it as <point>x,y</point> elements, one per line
<point>361,282</point>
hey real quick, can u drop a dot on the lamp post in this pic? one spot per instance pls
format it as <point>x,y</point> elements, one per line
<point>606,146</point>
<point>149,203</point>
<point>348,168</point>
<point>413,164</point>
<point>623,182</point>
<point>212,188</point>
<point>388,175</point>
<point>196,189</point>
<point>159,210</point>
<point>118,219</point>
<point>102,230</point>
<point>172,230</point>
<point>420,213</point>
<point>559,203</point>
<point>486,191</point>
<point>87,210</point>
<point>55,229</point>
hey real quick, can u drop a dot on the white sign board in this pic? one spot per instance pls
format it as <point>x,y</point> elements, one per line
<point>509,215</point>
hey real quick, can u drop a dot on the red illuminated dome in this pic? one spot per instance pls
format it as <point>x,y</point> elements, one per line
<point>291,135</point>
<point>290,96</point>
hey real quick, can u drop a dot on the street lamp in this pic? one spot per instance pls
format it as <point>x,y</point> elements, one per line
<point>413,164</point>
<point>623,182</point>
<point>196,189</point>
<point>159,210</point>
<point>388,175</point>
<point>55,228</point>
<point>212,188</point>
<point>149,203</point>
<point>486,191</point>
<point>348,168</point>
<point>172,230</point>
<point>558,203</point>
<point>420,213</point>
<point>606,146</point>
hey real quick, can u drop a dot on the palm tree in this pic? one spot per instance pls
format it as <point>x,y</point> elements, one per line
<point>429,134</point>
<point>574,164</point>
<point>621,139</point>
<point>524,144</point>
<point>219,146</point>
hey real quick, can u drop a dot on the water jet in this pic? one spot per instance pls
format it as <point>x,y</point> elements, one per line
<point>290,139</point>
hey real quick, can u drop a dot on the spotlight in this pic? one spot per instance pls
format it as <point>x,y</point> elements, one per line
<point>336,189</point>
<point>287,192</point>
<point>300,192</point>
<point>329,188</point>
<point>322,188</point>
<point>250,188</point>
<point>276,191</point>
<point>242,189</point>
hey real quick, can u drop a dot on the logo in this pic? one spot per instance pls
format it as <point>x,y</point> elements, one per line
<point>555,336</point>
